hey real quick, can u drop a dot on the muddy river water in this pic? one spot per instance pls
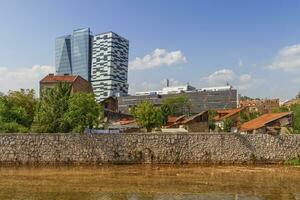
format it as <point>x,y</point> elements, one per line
<point>145,182</point>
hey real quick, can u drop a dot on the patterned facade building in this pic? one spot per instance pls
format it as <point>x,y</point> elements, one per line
<point>109,66</point>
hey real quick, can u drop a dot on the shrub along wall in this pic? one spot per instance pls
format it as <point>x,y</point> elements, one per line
<point>147,148</point>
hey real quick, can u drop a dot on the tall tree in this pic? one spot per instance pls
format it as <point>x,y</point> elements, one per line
<point>51,109</point>
<point>176,106</point>
<point>17,110</point>
<point>83,112</point>
<point>147,115</point>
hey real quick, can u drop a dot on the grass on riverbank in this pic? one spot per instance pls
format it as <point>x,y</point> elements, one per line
<point>293,161</point>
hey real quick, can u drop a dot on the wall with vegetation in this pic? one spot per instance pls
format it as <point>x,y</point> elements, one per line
<point>147,148</point>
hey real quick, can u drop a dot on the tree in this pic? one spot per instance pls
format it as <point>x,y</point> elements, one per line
<point>147,115</point>
<point>227,124</point>
<point>211,116</point>
<point>17,111</point>
<point>281,109</point>
<point>296,111</point>
<point>53,104</point>
<point>83,112</point>
<point>245,117</point>
<point>175,106</point>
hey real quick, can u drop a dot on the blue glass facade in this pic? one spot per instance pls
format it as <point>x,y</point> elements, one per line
<point>81,53</point>
<point>63,61</point>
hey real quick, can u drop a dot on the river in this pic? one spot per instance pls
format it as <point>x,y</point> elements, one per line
<point>145,182</point>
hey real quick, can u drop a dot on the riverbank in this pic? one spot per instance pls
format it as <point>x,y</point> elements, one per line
<point>139,148</point>
<point>143,182</point>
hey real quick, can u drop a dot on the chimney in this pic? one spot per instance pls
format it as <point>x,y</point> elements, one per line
<point>168,83</point>
<point>51,75</point>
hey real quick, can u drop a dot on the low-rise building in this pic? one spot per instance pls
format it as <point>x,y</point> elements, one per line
<point>195,123</point>
<point>272,123</point>
<point>229,114</point>
<point>78,84</point>
<point>260,105</point>
<point>201,99</point>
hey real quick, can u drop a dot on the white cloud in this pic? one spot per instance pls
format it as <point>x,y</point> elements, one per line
<point>158,58</point>
<point>287,59</point>
<point>14,79</point>
<point>224,76</point>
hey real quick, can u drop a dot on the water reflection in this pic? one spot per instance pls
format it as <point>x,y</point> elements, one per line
<point>151,183</point>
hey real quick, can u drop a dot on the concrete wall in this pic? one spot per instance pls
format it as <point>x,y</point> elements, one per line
<point>147,148</point>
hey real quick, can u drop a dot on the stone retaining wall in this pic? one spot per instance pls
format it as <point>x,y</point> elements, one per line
<point>147,148</point>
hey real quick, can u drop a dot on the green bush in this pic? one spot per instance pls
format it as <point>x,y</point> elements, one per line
<point>12,127</point>
<point>293,161</point>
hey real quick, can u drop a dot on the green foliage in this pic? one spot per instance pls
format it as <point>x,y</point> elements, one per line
<point>227,124</point>
<point>293,161</point>
<point>83,112</point>
<point>245,117</point>
<point>17,110</point>
<point>296,112</point>
<point>175,106</point>
<point>281,109</point>
<point>61,111</point>
<point>51,109</point>
<point>147,115</point>
<point>211,123</point>
<point>12,127</point>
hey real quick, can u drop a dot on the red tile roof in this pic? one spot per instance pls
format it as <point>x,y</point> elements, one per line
<point>262,121</point>
<point>174,119</point>
<point>228,113</point>
<point>59,78</point>
<point>194,116</point>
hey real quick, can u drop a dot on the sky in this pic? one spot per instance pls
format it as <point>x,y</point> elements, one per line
<point>253,45</point>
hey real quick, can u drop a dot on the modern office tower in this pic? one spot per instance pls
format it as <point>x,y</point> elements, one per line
<point>109,65</point>
<point>63,62</point>
<point>81,53</point>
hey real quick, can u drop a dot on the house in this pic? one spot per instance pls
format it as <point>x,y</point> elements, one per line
<point>268,123</point>
<point>78,84</point>
<point>125,125</point>
<point>110,103</point>
<point>229,114</point>
<point>175,120</point>
<point>195,123</point>
<point>261,106</point>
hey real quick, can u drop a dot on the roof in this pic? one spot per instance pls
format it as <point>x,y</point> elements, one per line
<point>228,113</point>
<point>194,116</point>
<point>174,119</point>
<point>50,78</point>
<point>262,121</point>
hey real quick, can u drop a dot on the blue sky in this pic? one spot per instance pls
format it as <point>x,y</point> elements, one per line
<point>253,45</point>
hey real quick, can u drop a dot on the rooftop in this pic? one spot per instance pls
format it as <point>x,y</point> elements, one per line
<point>227,113</point>
<point>262,121</point>
<point>51,78</point>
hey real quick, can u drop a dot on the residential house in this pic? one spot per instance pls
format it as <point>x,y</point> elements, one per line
<point>229,114</point>
<point>195,123</point>
<point>261,106</point>
<point>78,84</point>
<point>268,123</point>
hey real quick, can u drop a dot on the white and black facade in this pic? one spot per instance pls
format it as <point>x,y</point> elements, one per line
<point>109,65</point>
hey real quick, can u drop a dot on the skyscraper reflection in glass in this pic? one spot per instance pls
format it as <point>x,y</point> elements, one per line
<point>73,54</point>
<point>63,61</point>
<point>81,53</point>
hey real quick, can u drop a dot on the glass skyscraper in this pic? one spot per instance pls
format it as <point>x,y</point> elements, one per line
<point>73,54</point>
<point>63,61</point>
<point>81,53</point>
